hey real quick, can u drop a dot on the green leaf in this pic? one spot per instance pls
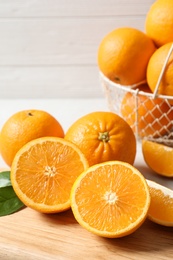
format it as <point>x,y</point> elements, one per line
<point>9,202</point>
<point>5,179</point>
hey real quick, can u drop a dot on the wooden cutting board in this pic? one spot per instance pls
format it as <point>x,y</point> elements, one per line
<point>30,235</point>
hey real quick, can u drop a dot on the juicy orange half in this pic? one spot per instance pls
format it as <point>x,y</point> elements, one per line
<point>110,199</point>
<point>161,207</point>
<point>43,172</point>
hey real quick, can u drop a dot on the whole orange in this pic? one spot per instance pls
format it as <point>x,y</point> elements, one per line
<point>154,69</point>
<point>103,136</point>
<point>147,116</point>
<point>23,127</point>
<point>159,22</point>
<point>123,55</point>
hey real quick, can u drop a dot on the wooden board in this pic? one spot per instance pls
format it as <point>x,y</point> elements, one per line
<point>31,235</point>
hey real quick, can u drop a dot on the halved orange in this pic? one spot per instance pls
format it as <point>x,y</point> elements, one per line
<point>161,207</point>
<point>110,199</point>
<point>158,157</point>
<point>43,172</point>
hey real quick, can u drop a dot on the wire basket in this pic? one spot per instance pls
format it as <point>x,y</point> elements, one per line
<point>150,115</point>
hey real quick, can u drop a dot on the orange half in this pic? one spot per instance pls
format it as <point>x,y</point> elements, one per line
<point>110,199</point>
<point>43,172</point>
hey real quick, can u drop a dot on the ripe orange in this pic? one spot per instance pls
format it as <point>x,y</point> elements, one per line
<point>161,207</point>
<point>110,199</point>
<point>147,116</point>
<point>154,69</point>
<point>121,55</point>
<point>103,136</point>
<point>158,157</point>
<point>43,172</point>
<point>23,127</point>
<point>159,22</point>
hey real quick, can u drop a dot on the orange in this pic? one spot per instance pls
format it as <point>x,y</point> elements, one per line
<point>43,172</point>
<point>159,22</point>
<point>121,55</point>
<point>110,199</point>
<point>158,157</point>
<point>154,69</point>
<point>103,136</point>
<point>147,116</point>
<point>161,207</point>
<point>23,127</point>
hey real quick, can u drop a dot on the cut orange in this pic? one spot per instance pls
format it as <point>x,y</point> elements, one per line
<point>158,157</point>
<point>43,172</point>
<point>161,207</point>
<point>110,199</point>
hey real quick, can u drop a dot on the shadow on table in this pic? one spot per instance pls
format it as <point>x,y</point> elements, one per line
<point>151,175</point>
<point>150,237</point>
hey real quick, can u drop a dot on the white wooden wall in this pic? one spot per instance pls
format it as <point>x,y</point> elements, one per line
<point>48,48</point>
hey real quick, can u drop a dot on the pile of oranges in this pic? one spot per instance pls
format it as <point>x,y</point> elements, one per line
<point>88,169</point>
<point>135,59</point>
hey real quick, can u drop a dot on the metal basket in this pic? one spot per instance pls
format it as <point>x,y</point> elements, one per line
<point>155,124</point>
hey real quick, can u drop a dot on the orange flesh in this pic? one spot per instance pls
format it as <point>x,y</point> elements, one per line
<point>45,173</point>
<point>158,157</point>
<point>111,205</point>
<point>161,207</point>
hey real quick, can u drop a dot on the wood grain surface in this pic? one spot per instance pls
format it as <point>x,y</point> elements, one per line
<point>28,235</point>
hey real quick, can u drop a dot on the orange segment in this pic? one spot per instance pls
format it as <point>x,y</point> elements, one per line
<point>161,207</point>
<point>158,157</point>
<point>110,199</point>
<point>43,172</point>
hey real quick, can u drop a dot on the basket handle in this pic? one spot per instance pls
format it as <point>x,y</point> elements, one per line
<point>162,72</point>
